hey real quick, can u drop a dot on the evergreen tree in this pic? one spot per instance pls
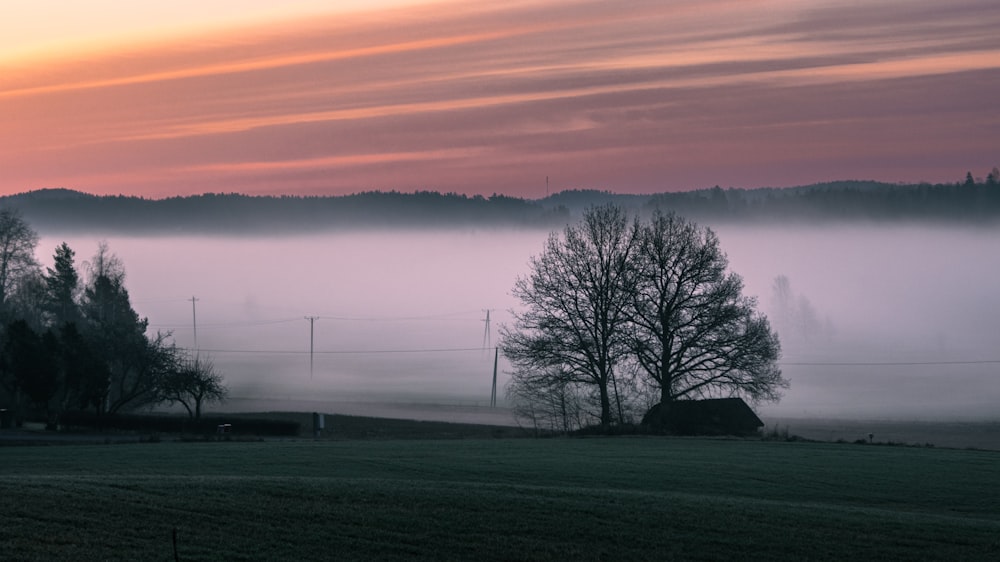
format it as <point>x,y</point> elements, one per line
<point>994,176</point>
<point>62,284</point>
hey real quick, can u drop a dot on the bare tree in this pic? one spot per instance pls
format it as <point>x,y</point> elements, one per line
<point>794,315</point>
<point>17,252</point>
<point>693,332</point>
<point>548,401</point>
<point>29,299</point>
<point>193,383</point>
<point>575,304</point>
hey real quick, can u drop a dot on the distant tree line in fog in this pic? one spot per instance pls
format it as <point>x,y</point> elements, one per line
<point>969,201</point>
<point>973,200</point>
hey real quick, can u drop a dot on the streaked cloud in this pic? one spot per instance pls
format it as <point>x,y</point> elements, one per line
<point>644,96</point>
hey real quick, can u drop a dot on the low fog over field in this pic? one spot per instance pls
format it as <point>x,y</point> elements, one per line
<point>895,322</point>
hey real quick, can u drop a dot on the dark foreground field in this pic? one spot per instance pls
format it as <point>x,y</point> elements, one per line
<point>498,499</point>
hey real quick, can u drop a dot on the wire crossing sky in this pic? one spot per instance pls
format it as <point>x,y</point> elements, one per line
<point>163,99</point>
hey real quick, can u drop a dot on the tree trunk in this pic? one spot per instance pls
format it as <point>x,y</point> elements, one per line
<point>605,406</point>
<point>618,401</point>
<point>666,387</point>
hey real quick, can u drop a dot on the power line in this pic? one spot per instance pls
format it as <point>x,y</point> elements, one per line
<point>344,351</point>
<point>230,324</point>
<point>446,316</point>
<point>252,323</point>
<point>886,363</point>
<point>470,349</point>
<point>161,299</point>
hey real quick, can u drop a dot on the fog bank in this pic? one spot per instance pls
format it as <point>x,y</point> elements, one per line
<point>880,322</point>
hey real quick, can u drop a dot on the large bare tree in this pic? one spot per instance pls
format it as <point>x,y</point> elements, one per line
<point>692,330</point>
<point>612,297</point>
<point>575,304</point>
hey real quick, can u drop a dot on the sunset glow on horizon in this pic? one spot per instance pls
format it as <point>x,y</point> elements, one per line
<point>493,98</point>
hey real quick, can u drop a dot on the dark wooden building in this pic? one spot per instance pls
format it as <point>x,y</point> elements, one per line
<point>717,416</point>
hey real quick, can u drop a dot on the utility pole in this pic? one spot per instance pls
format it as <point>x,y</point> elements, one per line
<point>493,395</point>
<point>487,335</point>
<point>194,321</point>
<point>312,322</point>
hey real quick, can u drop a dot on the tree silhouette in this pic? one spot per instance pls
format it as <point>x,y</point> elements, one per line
<point>693,332</point>
<point>30,361</point>
<point>62,283</point>
<point>134,362</point>
<point>192,383</point>
<point>993,178</point>
<point>611,299</point>
<point>17,252</point>
<point>576,298</point>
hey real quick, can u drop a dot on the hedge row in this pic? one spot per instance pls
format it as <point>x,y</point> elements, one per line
<point>178,424</point>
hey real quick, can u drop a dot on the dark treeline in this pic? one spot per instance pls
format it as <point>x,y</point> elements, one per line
<point>65,210</point>
<point>969,201</point>
<point>71,341</point>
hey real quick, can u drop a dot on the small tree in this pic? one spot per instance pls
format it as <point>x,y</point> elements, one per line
<point>794,315</point>
<point>193,383</point>
<point>548,401</point>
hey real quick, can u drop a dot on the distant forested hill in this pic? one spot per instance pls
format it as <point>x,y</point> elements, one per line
<point>972,203</point>
<point>65,210</point>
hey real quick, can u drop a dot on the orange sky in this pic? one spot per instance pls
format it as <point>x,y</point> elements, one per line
<point>224,96</point>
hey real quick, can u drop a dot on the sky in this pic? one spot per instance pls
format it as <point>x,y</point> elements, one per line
<point>520,97</point>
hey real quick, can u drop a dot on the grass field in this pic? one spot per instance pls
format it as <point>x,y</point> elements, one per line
<point>498,499</point>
